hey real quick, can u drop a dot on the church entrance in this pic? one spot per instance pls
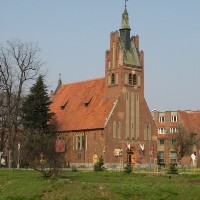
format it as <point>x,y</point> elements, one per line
<point>131,156</point>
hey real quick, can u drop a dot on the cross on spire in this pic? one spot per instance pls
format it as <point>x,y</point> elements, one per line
<point>125,3</point>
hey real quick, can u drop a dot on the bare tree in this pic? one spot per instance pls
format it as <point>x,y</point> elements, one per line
<point>185,142</point>
<point>19,64</point>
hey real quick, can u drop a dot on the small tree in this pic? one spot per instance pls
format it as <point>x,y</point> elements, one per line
<point>40,131</point>
<point>99,166</point>
<point>172,169</point>
<point>185,140</point>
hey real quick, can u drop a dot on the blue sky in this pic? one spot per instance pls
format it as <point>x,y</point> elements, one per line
<point>74,35</point>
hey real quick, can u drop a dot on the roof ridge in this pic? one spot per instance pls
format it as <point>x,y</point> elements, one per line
<point>82,81</point>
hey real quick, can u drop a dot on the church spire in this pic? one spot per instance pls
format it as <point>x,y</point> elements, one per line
<point>125,29</point>
<point>125,19</point>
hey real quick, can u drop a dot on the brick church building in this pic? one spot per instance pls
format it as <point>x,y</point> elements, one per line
<point>108,117</point>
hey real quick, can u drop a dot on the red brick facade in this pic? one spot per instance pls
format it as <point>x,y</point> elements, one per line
<point>168,123</point>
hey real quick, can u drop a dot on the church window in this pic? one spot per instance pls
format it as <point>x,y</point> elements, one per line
<point>109,79</point>
<point>108,64</point>
<point>79,142</point>
<point>116,81</point>
<point>119,130</point>
<point>137,97</point>
<point>134,79</point>
<point>130,79</point>
<point>126,78</point>
<point>113,78</point>
<point>114,129</point>
<point>127,95</point>
<point>139,84</point>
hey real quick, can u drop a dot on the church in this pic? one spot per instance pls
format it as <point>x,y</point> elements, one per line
<point>108,117</point>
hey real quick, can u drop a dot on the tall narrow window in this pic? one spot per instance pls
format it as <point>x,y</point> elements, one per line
<point>109,79</point>
<point>114,129</point>
<point>130,79</point>
<point>126,78</point>
<point>108,64</point>
<point>134,79</point>
<point>113,78</point>
<point>78,142</point>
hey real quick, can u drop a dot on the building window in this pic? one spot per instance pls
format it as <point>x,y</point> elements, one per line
<point>130,79</point>
<point>162,119</point>
<point>172,157</point>
<point>134,79</point>
<point>139,84</point>
<point>161,141</point>
<point>114,129</point>
<point>113,78</point>
<point>173,130</point>
<point>174,118</point>
<point>79,142</point>
<point>172,141</point>
<point>108,64</point>
<point>126,79</point>
<point>161,160</point>
<point>109,79</point>
<point>161,131</point>
<point>119,130</point>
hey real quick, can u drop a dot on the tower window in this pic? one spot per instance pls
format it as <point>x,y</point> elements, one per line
<point>130,79</point>
<point>113,78</point>
<point>134,79</point>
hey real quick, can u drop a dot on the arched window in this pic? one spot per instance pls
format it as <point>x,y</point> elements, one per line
<point>126,78</point>
<point>113,78</point>
<point>114,129</point>
<point>109,79</point>
<point>130,79</point>
<point>134,79</point>
<point>139,82</point>
<point>116,78</point>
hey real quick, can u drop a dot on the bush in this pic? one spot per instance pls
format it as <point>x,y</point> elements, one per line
<point>99,166</point>
<point>128,169</point>
<point>172,169</point>
<point>74,169</point>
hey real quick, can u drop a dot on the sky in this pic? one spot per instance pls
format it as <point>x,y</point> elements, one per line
<point>74,35</point>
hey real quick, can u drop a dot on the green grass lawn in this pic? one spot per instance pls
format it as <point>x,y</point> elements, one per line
<point>22,184</point>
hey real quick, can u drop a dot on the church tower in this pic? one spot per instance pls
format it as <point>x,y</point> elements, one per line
<point>124,73</point>
<point>124,61</point>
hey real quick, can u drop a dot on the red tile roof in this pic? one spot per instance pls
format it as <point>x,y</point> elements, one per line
<point>82,105</point>
<point>191,120</point>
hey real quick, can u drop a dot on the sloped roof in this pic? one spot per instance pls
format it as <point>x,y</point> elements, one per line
<point>82,105</point>
<point>191,120</point>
